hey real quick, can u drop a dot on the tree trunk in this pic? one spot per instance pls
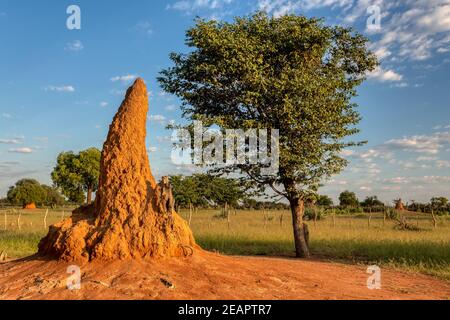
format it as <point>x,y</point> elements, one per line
<point>301,233</point>
<point>89,195</point>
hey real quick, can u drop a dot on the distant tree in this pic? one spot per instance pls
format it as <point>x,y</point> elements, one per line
<point>202,189</point>
<point>188,190</point>
<point>291,73</point>
<point>348,199</point>
<point>439,203</point>
<point>372,201</point>
<point>324,201</point>
<point>52,196</point>
<point>77,174</point>
<point>25,192</point>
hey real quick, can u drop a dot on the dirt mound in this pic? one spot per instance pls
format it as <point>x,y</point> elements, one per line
<point>30,206</point>
<point>132,216</point>
<point>211,276</point>
<point>399,205</point>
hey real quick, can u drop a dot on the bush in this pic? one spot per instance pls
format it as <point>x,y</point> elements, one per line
<point>310,213</point>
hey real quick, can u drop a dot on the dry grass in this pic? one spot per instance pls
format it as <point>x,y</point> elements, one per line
<point>249,233</point>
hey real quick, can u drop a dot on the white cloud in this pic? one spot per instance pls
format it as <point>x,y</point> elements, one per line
<point>41,139</point>
<point>170,107</point>
<point>103,104</point>
<point>400,85</point>
<point>152,149</point>
<point>443,50</point>
<point>157,118</point>
<point>385,75</point>
<point>6,115</point>
<point>124,79</point>
<point>10,141</point>
<point>217,7</point>
<point>430,144</point>
<point>21,150</point>
<point>75,45</point>
<point>60,88</point>
<point>144,27</point>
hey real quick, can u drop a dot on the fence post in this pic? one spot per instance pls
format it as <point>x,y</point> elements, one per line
<point>5,219</point>
<point>370,218</point>
<point>434,219</point>
<point>190,213</point>
<point>18,219</point>
<point>227,212</point>
<point>45,219</point>
<point>334,219</point>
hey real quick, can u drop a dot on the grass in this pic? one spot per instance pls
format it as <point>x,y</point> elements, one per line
<point>351,240</point>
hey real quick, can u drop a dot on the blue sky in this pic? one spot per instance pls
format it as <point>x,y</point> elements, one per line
<point>60,88</point>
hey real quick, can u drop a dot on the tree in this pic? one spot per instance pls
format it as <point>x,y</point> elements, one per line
<point>439,203</point>
<point>77,174</point>
<point>348,199</point>
<point>187,191</point>
<point>25,192</point>
<point>324,201</point>
<point>28,191</point>
<point>372,201</point>
<point>52,196</point>
<point>289,73</point>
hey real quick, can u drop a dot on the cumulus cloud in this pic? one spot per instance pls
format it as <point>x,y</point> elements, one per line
<point>144,27</point>
<point>60,88</point>
<point>170,107</point>
<point>431,144</point>
<point>75,45</point>
<point>157,118</point>
<point>385,75</point>
<point>103,104</point>
<point>124,79</point>
<point>216,8</point>
<point>10,141</point>
<point>20,150</point>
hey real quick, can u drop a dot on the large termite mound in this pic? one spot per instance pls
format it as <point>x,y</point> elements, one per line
<point>399,205</point>
<point>132,216</point>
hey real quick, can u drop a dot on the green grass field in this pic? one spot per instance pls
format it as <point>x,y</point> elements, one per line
<point>249,233</point>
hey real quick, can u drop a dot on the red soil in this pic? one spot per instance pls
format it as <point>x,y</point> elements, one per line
<point>210,276</point>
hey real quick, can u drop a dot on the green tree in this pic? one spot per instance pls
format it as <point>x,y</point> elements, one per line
<point>187,191</point>
<point>324,201</point>
<point>77,174</point>
<point>289,73</point>
<point>348,199</point>
<point>26,191</point>
<point>52,196</point>
<point>372,201</point>
<point>439,203</point>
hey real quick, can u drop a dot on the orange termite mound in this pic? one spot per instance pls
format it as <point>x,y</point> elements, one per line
<point>29,206</point>
<point>132,216</point>
<point>399,205</point>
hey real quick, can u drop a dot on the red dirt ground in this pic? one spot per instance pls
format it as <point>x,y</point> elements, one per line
<point>212,276</point>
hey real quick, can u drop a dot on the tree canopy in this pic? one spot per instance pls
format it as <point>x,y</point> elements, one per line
<point>77,174</point>
<point>28,191</point>
<point>202,190</point>
<point>290,73</point>
<point>348,199</point>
